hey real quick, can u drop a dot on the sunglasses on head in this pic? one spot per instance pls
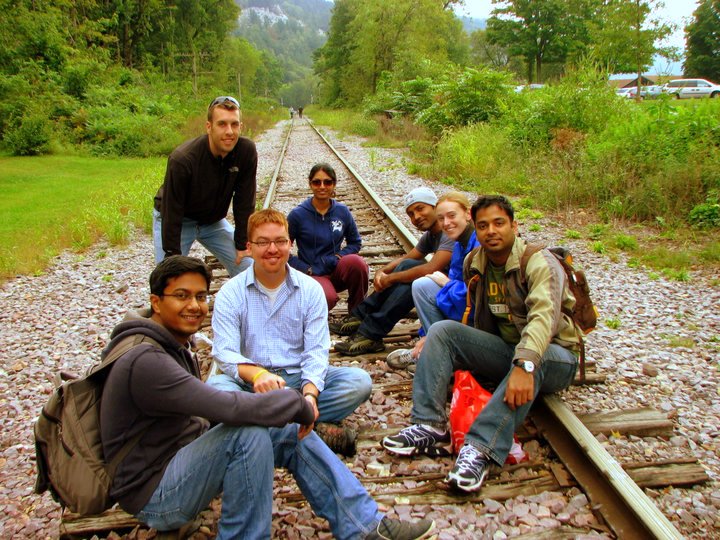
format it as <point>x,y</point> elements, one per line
<point>325,182</point>
<point>224,99</point>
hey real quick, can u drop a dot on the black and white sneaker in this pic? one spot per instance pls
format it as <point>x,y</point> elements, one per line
<point>418,439</point>
<point>470,470</point>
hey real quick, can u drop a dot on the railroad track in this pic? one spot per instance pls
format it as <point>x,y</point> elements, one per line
<point>564,452</point>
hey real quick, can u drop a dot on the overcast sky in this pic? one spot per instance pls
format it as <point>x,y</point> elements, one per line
<point>675,11</point>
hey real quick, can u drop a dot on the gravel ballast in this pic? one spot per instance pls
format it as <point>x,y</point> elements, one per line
<point>660,350</point>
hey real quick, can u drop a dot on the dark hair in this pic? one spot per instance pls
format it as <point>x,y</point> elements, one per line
<point>485,201</point>
<point>175,266</point>
<point>326,168</point>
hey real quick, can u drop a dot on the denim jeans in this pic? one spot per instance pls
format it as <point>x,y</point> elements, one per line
<point>381,311</point>
<point>452,345</point>
<point>345,389</point>
<point>239,463</point>
<point>218,238</point>
<point>424,293</point>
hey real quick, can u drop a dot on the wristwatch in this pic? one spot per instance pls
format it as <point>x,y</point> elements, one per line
<point>526,365</point>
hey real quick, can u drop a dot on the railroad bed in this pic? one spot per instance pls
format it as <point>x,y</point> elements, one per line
<point>539,495</point>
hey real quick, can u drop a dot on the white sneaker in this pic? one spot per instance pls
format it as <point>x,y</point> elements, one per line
<point>400,359</point>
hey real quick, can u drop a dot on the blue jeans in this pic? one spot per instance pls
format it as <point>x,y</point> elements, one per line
<point>424,293</point>
<point>345,389</point>
<point>218,238</point>
<point>239,463</point>
<point>381,311</point>
<point>452,345</point>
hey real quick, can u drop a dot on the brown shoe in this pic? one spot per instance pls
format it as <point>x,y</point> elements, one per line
<point>339,439</point>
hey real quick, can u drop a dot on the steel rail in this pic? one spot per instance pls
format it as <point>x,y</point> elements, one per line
<point>272,187</point>
<point>624,506</point>
<point>626,509</point>
<point>402,233</point>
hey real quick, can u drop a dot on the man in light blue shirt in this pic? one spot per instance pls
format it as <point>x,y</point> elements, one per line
<point>270,331</point>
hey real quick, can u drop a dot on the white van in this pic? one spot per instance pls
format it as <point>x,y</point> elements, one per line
<point>691,88</point>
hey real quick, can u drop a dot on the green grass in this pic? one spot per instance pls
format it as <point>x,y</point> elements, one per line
<point>345,121</point>
<point>52,203</point>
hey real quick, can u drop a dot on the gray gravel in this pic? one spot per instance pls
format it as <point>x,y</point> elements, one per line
<point>664,354</point>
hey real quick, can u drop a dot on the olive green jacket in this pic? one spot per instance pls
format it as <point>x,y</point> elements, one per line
<point>536,303</point>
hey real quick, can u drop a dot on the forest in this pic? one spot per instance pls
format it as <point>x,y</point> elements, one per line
<point>131,78</point>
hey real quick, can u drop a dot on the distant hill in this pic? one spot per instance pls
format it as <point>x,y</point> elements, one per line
<point>470,24</point>
<point>290,29</point>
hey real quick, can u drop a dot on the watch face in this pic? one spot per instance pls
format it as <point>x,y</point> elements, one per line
<point>529,366</point>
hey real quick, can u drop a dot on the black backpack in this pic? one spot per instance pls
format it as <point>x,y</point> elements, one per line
<point>68,446</point>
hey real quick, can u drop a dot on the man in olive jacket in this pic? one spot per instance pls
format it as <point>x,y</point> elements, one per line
<point>522,339</point>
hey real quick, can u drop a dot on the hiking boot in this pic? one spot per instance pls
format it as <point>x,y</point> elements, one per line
<point>340,440</point>
<point>346,326</point>
<point>418,439</point>
<point>359,344</point>
<point>400,359</point>
<point>470,469</point>
<point>394,529</point>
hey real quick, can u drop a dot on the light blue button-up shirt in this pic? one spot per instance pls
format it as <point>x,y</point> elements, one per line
<point>291,334</point>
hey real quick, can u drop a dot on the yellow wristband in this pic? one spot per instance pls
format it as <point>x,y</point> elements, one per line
<point>255,377</point>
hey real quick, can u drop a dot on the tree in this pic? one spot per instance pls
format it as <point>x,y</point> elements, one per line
<point>482,51</point>
<point>371,38</point>
<point>539,31</point>
<point>702,38</point>
<point>626,37</point>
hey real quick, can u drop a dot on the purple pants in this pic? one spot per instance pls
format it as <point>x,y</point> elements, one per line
<point>351,274</point>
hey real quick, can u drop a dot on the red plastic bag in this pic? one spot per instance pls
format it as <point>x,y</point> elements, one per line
<point>468,399</point>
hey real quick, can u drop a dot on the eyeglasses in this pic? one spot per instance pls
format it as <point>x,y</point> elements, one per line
<point>280,242</point>
<point>201,298</point>
<point>224,99</point>
<point>327,182</point>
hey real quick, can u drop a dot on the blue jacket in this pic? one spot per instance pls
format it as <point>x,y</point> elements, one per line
<point>451,299</point>
<point>319,238</point>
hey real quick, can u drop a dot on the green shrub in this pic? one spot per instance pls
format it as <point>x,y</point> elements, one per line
<point>31,138</point>
<point>625,242</point>
<point>468,97</point>
<point>707,214</point>
<point>571,233</point>
<point>478,157</point>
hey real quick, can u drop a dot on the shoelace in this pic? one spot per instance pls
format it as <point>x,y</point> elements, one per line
<point>417,431</point>
<point>405,357</point>
<point>468,458</point>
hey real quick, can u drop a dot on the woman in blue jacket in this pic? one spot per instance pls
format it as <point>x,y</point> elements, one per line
<point>319,226</point>
<point>438,296</point>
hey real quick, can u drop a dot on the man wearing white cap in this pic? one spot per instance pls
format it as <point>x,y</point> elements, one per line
<point>391,300</point>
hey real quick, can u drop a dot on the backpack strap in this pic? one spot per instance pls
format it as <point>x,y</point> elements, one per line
<point>471,285</point>
<point>123,346</point>
<point>532,249</point>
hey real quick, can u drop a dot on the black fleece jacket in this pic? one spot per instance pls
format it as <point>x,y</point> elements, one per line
<point>160,392</point>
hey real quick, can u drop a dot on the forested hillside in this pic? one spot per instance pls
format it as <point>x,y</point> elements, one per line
<point>288,32</point>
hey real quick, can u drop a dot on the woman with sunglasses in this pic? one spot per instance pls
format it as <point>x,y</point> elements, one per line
<point>319,226</point>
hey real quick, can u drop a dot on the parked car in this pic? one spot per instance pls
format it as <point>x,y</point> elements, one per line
<point>625,92</point>
<point>691,88</point>
<point>646,92</point>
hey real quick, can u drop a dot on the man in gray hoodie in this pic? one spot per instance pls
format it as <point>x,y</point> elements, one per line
<point>178,466</point>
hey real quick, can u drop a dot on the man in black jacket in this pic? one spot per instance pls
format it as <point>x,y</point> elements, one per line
<point>178,466</point>
<point>203,175</point>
